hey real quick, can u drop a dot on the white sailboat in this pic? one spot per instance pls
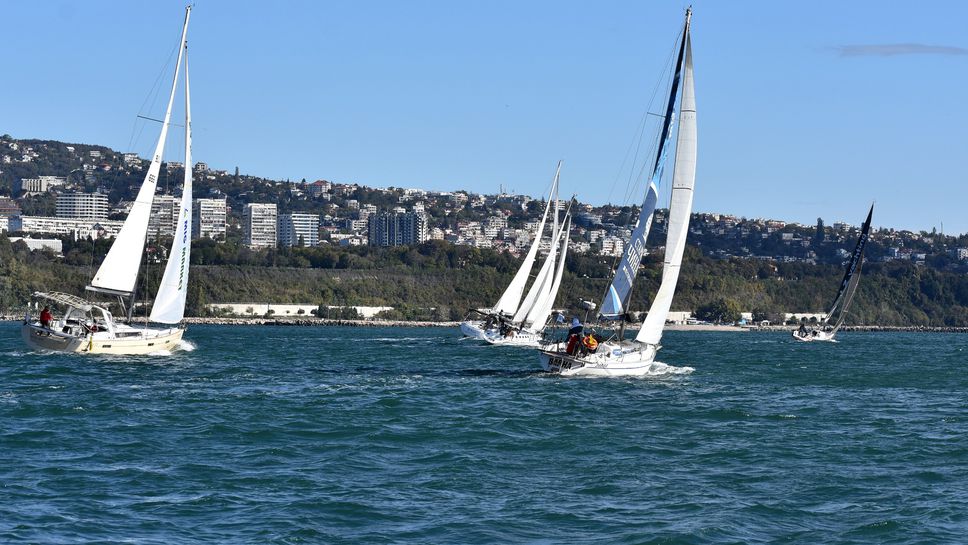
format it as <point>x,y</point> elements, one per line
<point>486,324</point>
<point>617,356</point>
<point>89,327</point>
<point>527,326</point>
<point>827,329</point>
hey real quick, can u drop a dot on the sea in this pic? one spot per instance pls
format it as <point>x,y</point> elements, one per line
<point>262,434</point>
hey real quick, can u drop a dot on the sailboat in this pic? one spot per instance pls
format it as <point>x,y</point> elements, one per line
<point>510,312</point>
<point>89,327</point>
<point>848,288</point>
<point>616,356</point>
<point>526,327</point>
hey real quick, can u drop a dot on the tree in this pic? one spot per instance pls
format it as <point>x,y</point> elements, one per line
<point>819,235</point>
<point>719,310</point>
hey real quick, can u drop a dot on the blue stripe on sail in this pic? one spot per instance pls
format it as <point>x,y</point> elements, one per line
<point>612,306</point>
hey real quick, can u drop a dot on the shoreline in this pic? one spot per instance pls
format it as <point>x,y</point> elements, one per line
<point>323,322</point>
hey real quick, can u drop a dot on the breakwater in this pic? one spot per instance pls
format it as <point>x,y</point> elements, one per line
<point>310,322</point>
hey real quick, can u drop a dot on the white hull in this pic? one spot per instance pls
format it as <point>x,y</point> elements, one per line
<point>810,337</point>
<point>527,339</point>
<point>126,341</point>
<point>473,329</point>
<point>610,360</point>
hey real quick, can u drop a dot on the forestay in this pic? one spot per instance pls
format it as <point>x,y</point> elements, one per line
<point>119,270</point>
<point>848,286</point>
<point>680,208</point>
<point>508,303</point>
<point>169,306</point>
<point>616,299</point>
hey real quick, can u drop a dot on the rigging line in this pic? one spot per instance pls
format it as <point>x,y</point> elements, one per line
<point>160,121</point>
<point>151,96</point>
<point>640,128</point>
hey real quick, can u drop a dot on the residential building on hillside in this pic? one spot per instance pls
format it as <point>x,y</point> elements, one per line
<point>9,207</point>
<point>259,224</point>
<point>76,227</point>
<point>82,205</point>
<point>397,229</point>
<point>208,218</point>
<point>35,186</point>
<point>298,229</point>
<point>164,216</point>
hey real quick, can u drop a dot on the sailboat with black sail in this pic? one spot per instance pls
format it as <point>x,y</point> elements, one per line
<point>616,356</point>
<point>89,327</point>
<point>845,295</point>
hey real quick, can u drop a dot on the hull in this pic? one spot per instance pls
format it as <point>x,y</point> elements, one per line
<point>473,329</point>
<point>526,339</point>
<point>821,336</point>
<point>610,360</point>
<point>134,342</point>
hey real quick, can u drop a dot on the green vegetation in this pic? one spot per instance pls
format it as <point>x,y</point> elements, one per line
<point>439,281</point>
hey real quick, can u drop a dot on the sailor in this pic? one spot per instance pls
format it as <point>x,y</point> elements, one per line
<point>802,332</point>
<point>576,327</point>
<point>46,318</point>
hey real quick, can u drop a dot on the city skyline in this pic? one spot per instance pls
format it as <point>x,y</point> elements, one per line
<point>804,111</point>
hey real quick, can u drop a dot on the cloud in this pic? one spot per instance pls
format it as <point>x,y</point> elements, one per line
<point>893,50</point>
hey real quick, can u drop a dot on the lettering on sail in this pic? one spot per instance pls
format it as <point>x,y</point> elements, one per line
<point>633,256</point>
<point>184,249</point>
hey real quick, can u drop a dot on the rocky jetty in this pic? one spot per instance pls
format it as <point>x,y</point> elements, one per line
<point>308,322</point>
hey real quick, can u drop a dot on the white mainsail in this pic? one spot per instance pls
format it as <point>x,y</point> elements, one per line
<point>119,270</point>
<point>169,306</point>
<point>542,308</point>
<point>508,303</point>
<point>680,208</point>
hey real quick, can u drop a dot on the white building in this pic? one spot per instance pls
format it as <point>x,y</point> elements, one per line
<point>55,245</point>
<point>82,205</point>
<point>76,227</point>
<point>298,230</point>
<point>208,218</point>
<point>38,185</point>
<point>613,246</point>
<point>259,223</point>
<point>164,216</point>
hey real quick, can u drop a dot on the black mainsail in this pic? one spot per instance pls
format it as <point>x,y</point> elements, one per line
<point>848,286</point>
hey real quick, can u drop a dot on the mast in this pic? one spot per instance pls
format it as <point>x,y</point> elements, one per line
<point>680,207</point>
<point>169,305</point>
<point>848,286</point>
<point>118,273</point>
<point>508,303</point>
<point>619,293</point>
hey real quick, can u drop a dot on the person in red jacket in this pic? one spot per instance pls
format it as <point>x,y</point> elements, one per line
<point>46,318</point>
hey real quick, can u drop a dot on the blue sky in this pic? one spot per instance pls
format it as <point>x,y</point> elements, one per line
<point>805,109</point>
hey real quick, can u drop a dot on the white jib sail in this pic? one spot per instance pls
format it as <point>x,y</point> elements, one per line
<point>680,207</point>
<point>542,308</point>
<point>169,306</point>
<point>542,282</point>
<point>119,270</point>
<point>508,303</point>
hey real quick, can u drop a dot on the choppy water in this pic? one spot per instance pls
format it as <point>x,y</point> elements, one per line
<point>337,435</point>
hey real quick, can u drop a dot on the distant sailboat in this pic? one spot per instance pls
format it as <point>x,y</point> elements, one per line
<point>510,313</point>
<point>89,327</point>
<point>848,288</point>
<point>617,356</point>
<point>527,326</point>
